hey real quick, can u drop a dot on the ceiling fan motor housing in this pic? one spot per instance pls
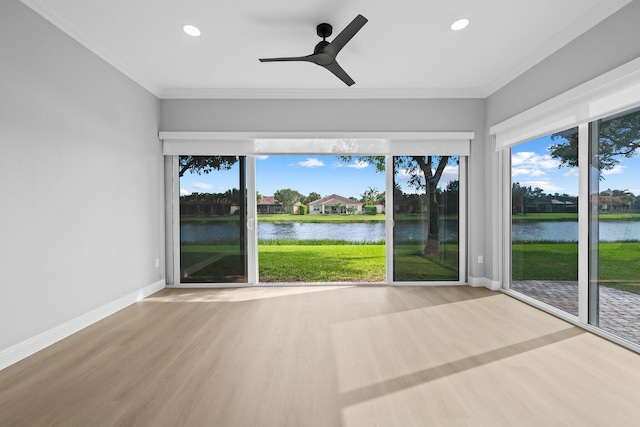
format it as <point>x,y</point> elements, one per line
<point>324,30</point>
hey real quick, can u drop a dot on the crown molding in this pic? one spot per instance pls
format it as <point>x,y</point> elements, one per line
<point>557,41</point>
<point>83,36</point>
<point>317,93</point>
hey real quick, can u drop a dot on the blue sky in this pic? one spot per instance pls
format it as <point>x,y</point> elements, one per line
<point>310,173</point>
<point>532,165</point>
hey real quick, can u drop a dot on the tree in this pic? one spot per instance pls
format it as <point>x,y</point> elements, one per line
<point>370,196</point>
<point>312,197</point>
<point>517,198</point>
<point>617,138</point>
<point>424,174</point>
<point>288,198</point>
<point>204,164</point>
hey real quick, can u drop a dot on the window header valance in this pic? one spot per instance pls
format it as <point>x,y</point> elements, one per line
<point>365,143</point>
<point>610,93</point>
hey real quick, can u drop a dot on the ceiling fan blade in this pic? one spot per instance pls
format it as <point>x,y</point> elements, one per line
<point>308,58</point>
<point>340,73</point>
<point>345,35</point>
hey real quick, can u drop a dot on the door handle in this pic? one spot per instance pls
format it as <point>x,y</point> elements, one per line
<point>250,224</point>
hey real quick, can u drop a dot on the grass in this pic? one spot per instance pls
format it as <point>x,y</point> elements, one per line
<point>317,242</point>
<point>410,264</point>
<point>619,263</point>
<point>220,263</point>
<point>289,218</point>
<point>573,217</point>
<point>318,261</point>
<point>321,263</point>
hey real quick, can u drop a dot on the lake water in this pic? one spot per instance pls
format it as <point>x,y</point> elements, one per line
<point>373,232</point>
<point>353,232</point>
<point>567,231</point>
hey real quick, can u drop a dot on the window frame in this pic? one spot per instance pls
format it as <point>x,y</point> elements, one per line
<point>251,144</point>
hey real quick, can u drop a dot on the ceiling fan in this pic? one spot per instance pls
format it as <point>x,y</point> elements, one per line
<point>325,52</point>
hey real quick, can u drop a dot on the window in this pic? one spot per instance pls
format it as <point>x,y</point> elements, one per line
<point>614,225</point>
<point>213,235</point>
<point>230,254</point>
<point>600,155</point>
<point>426,218</point>
<point>544,219</point>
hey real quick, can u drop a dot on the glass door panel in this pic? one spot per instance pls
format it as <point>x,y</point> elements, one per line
<point>213,226</point>
<point>614,232</point>
<point>544,219</point>
<point>426,218</point>
<point>321,219</point>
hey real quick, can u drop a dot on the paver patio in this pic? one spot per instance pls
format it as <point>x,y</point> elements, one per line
<point>619,310</point>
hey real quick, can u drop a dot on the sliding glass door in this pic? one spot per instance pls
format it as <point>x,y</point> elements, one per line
<point>213,226</point>
<point>578,256</point>
<point>415,201</point>
<point>614,225</point>
<point>426,218</point>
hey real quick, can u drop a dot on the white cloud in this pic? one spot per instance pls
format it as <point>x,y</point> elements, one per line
<point>262,157</point>
<point>616,170</point>
<point>449,174</point>
<point>547,186</point>
<point>520,171</point>
<point>184,192</point>
<point>309,163</point>
<point>358,165</point>
<point>572,172</point>
<point>202,186</point>
<point>532,164</point>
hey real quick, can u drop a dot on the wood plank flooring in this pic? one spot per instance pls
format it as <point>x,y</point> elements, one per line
<point>326,356</point>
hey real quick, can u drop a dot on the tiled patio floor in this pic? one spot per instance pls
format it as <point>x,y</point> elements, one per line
<point>619,310</point>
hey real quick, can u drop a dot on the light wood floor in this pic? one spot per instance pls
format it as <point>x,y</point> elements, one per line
<point>326,356</point>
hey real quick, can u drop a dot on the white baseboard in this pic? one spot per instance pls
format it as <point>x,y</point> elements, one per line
<point>478,282</point>
<point>28,347</point>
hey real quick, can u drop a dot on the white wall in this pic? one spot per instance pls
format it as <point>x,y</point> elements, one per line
<point>610,44</point>
<point>400,115</point>
<point>81,181</point>
<point>606,46</point>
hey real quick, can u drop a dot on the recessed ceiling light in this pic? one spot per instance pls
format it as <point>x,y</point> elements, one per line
<point>191,30</point>
<point>460,24</point>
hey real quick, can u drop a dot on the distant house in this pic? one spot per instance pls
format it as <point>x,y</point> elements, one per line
<point>269,205</point>
<point>334,204</point>
<point>557,206</point>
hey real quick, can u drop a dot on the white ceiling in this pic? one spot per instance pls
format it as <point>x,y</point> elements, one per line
<point>405,50</point>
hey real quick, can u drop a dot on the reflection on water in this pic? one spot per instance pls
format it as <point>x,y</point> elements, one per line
<point>562,231</point>
<point>352,232</point>
<point>567,231</point>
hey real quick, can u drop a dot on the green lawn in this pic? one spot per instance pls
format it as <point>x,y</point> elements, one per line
<point>318,261</point>
<point>289,218</point>
<point>411,265</point>
<point>321,263</point>
<point>619,263</point>
<point>573,217</point>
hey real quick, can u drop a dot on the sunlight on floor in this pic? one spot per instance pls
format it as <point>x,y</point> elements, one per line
<point>422,364</point>
<point>235,294</point>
